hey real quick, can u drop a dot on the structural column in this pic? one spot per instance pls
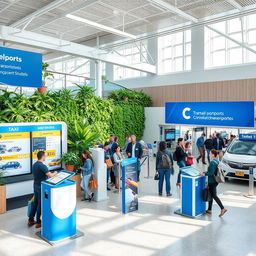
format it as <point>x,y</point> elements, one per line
<point>197,48</point>
<point>98,78</point>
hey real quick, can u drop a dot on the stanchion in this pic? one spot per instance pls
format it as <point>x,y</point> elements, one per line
<point>148,165</point>
<point>251,184</point>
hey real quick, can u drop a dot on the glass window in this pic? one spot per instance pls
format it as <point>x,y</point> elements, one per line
<point>174,52</point>
<point>221,51</point>
<point>135,54</point>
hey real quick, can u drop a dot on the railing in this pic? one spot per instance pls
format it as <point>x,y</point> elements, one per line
<point>67,81</point>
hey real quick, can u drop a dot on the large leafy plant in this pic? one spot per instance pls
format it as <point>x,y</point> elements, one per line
<point>82,136</point>
<point>131,97</point>
<point>71,158</point>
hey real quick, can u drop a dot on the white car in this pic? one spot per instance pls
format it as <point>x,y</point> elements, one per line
<point>238,158</point>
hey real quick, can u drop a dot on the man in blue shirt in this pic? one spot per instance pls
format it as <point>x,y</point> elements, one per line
<point>201,148</point>
<point>40,173</point>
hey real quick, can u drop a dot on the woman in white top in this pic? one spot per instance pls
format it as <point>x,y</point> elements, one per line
<point>117,165</point>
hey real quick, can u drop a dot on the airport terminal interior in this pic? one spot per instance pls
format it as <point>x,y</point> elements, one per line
<point>127,127</point>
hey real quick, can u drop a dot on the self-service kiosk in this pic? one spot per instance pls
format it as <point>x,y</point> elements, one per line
<point>58,208</point>
<point>192,185</point>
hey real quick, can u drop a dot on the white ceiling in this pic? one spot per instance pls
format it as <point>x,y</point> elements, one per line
<point>134,16</point>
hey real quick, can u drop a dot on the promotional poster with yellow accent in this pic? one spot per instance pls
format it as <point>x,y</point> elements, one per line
<point>50,142</point>
<point>15,153</point>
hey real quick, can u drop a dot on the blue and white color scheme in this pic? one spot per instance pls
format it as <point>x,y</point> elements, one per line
<point>58,211</point>
<point>192,186</point>
<point>227,114</point>
<point>249,136</point>
<point>129,185</point>
<point>20,68</point>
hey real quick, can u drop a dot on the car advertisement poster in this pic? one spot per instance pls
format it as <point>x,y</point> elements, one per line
<point>19,144</point>
<point>15,153</point>
<point>129,185</point>
<point>50,142</point>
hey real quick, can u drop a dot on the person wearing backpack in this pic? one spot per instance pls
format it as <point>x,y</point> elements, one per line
<point>212,174</point>
<point>164,167</point>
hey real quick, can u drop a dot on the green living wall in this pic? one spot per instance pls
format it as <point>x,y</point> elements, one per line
<point>122,113</point>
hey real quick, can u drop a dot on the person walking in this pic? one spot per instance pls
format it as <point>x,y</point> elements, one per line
<point>134,149</point>
<point>86,170</point>
<point>211,172</point>
<point>117,162</point>
<point>208,144</point>
<point>201,149</point>
<point>164,165</point>
<point>40,173</point>
<point>218,145</point>
<point>180,155</point>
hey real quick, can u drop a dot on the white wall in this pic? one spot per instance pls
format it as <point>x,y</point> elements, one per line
<point>154,117</point>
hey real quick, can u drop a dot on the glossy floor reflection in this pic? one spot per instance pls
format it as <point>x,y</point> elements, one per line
<point>153,230</point>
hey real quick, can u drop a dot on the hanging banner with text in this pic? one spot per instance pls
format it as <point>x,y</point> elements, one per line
<point>227,114</point>
<point>20,68</point>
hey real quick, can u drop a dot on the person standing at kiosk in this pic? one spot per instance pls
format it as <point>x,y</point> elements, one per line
<point>40,173</point>
<point>180,155</point>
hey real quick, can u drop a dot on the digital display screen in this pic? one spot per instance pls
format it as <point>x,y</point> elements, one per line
<point>169,136</point>
<point>19,145</point>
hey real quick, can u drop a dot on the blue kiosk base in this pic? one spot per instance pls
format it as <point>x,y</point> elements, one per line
<point>77,235</point>
<point>192,185</point>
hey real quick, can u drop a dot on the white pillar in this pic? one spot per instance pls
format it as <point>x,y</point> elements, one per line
<point>98,78</point>
<point>197,48</point>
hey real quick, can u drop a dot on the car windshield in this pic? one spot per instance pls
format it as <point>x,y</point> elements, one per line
<point>243,148</point>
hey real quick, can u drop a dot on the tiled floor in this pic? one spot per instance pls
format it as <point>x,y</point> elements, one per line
<point>153,230</point>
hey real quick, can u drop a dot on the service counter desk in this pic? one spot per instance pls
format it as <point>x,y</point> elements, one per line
<point>192,185</point>
<point>59,209</point>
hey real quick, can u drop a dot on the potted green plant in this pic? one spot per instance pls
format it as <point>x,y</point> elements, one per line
<point>2,193</point>
<point>71,161</point>
<point>45,75</point>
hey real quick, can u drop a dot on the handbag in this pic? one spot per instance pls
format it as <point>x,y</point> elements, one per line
<point>206,195</point>
<point>31,206</point>
<point>189,161</point>
<point>156,177</point>
<point>93,183</point>
<point>109,163</point>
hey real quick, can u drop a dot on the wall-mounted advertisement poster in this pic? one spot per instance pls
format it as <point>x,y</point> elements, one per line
<point>19,144</point>
<point>50,142</point>
<point>15,153</point>
<point>129,185</point>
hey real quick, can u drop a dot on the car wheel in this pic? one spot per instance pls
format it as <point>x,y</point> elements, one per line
<point>3,168</point>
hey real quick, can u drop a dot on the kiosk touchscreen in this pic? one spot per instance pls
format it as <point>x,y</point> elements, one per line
<point>60,177</point>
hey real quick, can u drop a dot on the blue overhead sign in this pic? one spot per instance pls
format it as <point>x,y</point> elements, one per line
<point>228,114</point>
<point>249,136</point>
<point>20,68</point>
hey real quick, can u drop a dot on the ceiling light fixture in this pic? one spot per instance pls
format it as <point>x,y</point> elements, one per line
<point>101,27</point>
